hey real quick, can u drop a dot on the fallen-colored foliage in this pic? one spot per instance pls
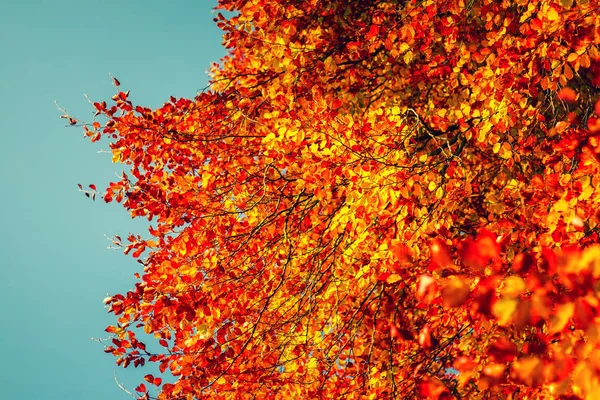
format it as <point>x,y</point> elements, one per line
<point>374,199</point>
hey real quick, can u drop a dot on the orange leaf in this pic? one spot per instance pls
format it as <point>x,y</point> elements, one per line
<point>477,253</point>
<point>567,94</point>
<point>529,370</point>
<point>455,292</point>
<point>425,339</point>
<point>426,288</point>
<point>440,254</point>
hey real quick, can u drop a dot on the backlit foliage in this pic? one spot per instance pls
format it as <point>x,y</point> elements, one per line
<point>373,199</point>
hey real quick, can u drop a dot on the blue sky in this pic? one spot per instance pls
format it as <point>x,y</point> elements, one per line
<point>55,267</point>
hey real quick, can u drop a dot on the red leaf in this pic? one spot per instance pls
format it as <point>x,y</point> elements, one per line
<point>440,254</point>
<point>536,24</point>
<point>523,262</point>
<point>394,331</point>
<point>479,252</point>
<point>373,31</point>
<point>163,366</point>
<point>92,186</point>
<point>383,277</point>
<point>138,252</point>
<point>141,388</point>
<point>116,82</point>
<point>503,351</point>
<point>109,349</point>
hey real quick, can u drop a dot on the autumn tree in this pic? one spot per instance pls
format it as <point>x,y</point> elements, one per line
<point>373,199</point>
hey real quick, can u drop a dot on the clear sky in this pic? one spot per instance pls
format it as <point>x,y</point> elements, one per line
<point>55,267</point>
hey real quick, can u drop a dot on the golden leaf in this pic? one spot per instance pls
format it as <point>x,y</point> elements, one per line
<point>504,309</point>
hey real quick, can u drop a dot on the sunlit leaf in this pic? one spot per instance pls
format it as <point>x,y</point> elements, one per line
<point>368,197</point>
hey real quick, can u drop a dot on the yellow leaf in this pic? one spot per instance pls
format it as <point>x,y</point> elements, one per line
<point>191,341</point>
<point>403,47</point>
<point>482,135</point>
<point>552,15</point>
<point>363,271</point>
<point>512,184</point>
<point>504,310</point>
<point>561,205</point>
<point>559,320</point>
<point>439,193</point>
<point>221,381</point>
<point>205,179</point>
<point>393,278</point>
<point>593,333</point>
<point>593,393</point>
<point>586,192</point>
<point>513,286</point>
<point>572,57</point>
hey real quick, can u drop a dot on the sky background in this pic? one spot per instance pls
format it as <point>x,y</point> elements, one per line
<point>55,267</point>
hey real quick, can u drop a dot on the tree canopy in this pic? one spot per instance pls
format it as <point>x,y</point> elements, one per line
<point>372,199</point>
